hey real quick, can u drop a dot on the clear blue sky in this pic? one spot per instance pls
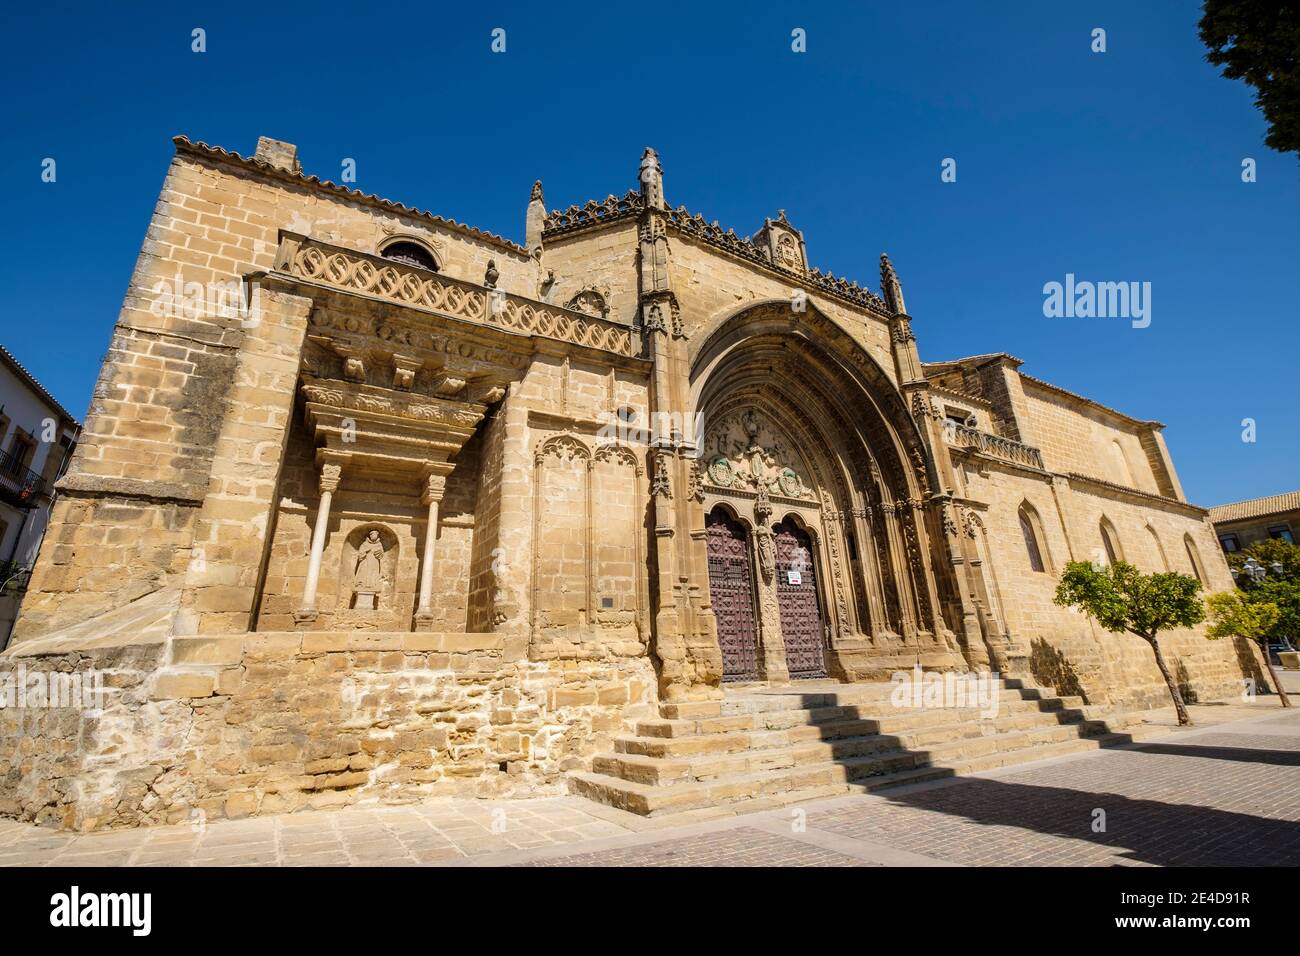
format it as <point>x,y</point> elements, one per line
<point>1116,166</point>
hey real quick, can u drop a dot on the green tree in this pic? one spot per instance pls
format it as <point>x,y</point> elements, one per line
<point>1268,552</point>
<point>1233,613</point>
<point>1124,600</point>
<point>1259,41</point>
<point>1279,589</point>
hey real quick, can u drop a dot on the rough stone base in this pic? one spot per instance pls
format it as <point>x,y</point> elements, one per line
<point>203,728</point>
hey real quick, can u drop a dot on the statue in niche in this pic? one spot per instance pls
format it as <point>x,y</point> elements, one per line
<point>367,574</point>
<point>763,540</point>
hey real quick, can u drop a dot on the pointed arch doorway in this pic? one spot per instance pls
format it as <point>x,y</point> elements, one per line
<point>802,629</point>
<point>731,592</point>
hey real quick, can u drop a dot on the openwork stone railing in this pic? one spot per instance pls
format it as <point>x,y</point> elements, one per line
<point>613,208</point>
<point>353,271</point>
<point>593,213</point>
<point>728,239</point>
<point>965,437</point>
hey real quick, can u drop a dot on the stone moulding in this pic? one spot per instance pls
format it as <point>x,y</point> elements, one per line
<point>335,267</point>
<point>1076,478</point>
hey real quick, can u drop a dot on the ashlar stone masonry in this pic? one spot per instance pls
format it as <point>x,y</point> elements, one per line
<point>372,505</point>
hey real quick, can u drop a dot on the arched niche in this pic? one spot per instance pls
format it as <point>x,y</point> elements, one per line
<point>368,573</point>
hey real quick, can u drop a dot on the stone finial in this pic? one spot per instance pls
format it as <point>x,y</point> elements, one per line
<point>535,220</point>
<point>279,154</point>
<point>890,287</point>
<point>491,275</point>
<point>652,179</point>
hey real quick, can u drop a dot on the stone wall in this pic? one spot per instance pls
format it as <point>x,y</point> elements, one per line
<point>1076,437</point>
<point>203,728</point>
<point>1067,650</point>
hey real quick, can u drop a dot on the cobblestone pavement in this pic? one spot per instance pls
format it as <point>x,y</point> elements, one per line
<point>1222,794</point>
<point>738,846</point>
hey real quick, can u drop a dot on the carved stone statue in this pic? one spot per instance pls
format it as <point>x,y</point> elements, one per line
<point>367,575</point>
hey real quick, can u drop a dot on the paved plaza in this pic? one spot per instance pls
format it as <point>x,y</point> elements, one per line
<point>1226,792</point>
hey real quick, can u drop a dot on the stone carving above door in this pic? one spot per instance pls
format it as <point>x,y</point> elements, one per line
<point>744,452</point>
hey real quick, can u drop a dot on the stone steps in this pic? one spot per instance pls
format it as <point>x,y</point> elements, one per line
<point>912,731</point>
<point>874,719</point>
<point>777,747</point>
<point>935,746</point>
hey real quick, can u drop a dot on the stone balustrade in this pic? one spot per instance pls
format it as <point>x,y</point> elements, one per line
<point>963,436</point>
<point>349,270</point>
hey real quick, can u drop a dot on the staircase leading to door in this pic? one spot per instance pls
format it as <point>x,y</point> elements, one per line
<point>770,746</point>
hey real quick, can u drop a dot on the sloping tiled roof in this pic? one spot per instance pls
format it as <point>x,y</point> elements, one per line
<point>17,367</point>
<point>185,145</point>
<point>1256,507</point>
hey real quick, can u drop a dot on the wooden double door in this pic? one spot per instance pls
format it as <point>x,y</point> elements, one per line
<point>732,593</point>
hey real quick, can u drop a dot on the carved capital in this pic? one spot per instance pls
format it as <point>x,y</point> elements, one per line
<point>330,475</point>
<point>432,488</point>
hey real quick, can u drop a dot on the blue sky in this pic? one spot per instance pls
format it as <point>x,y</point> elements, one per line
<point>1121,166</point>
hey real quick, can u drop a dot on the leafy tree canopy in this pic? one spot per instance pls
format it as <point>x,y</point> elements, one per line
<point>1259,41</point>
<point>1122,598</point>
<point>1232,614</point>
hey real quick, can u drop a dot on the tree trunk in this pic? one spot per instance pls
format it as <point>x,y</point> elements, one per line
<point>1277,684</point>
<point>1174,692</point>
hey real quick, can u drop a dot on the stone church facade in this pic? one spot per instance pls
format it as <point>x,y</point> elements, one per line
<point>371,504</point>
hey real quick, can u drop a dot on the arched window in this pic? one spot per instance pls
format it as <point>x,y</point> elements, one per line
<point>1031,528</point>
<point>1110,541</point>
<point>1162,560</point>
<point>1194,557</point>
<point>411,254</point>
<point>1123,474</point>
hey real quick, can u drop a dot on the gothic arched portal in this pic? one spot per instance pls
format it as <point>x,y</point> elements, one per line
<point>800,420</point>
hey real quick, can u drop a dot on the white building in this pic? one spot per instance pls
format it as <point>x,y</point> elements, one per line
<point>37,436</point>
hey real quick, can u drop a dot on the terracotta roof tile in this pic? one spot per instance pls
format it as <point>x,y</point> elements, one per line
<point>1256,507</point>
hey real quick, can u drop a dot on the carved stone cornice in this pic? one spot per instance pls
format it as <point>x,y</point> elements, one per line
<point>367,399</point>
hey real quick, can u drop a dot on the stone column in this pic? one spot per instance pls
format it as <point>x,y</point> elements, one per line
<point>430,495</point>
<point>330,473</point>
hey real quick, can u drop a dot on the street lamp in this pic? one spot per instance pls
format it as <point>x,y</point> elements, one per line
<point>1256,571</point>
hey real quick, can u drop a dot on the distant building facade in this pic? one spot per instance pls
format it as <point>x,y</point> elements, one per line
<point>37,437</point>
<point>1242,523</point>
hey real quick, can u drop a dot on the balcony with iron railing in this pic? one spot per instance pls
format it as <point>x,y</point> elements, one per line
<point>19,485</point>
<point>963,436</point>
